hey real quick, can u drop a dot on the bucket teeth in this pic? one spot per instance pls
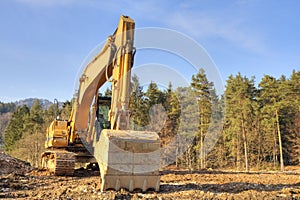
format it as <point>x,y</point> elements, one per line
<point>131,183</point>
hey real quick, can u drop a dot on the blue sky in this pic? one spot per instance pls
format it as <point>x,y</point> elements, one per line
<point>44,42</point>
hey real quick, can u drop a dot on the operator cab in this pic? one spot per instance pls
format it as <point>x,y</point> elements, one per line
<point>102,122</point>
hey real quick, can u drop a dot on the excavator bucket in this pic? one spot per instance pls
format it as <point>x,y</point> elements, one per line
<point>128,159</point>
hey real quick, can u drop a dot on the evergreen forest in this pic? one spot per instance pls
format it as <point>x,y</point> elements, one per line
<point>252,126</point>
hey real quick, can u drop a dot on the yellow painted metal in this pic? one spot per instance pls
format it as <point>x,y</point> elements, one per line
<point>57,134</point>
<point>113,63</point>
<point>129,159</point>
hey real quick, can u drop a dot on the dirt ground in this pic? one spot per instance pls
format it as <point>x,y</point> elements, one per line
<point>175,184</point>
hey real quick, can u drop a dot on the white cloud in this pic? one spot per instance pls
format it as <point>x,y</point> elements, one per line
<point>186,17</point>
<point>203,26</point>
<point>201,23</point>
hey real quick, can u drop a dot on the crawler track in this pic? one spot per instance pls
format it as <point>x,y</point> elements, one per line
<point>59,162</point>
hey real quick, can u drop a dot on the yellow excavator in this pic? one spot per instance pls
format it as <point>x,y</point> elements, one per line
<point>99,127</point>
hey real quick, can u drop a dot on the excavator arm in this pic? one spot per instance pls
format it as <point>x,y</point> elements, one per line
<point>113,64</point>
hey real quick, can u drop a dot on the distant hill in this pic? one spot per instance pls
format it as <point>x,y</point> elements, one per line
<point>30,101</point>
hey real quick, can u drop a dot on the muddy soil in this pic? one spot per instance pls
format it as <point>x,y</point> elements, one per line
<point>175,184</point>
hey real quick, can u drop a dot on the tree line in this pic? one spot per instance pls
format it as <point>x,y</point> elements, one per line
<point>5,114</point>
<point>260,123</point>
<point>7,107</point>
<point>24,136</point>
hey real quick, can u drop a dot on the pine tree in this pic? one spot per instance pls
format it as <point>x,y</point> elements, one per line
<point>269,98</point>
<point>169,131</point>
<point>217,156</point>
<point>16,128</point>
<point>7,107</point>
<point>66,109</point>
<point>138,106</point>
<point>202,88</point>
<point>154,100</point>
<point>172,107</point>
<point>239,97</point>
<point>188,127</point>
<point>154,95</point>
<point>35,119</point>
<point>288,117</point>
